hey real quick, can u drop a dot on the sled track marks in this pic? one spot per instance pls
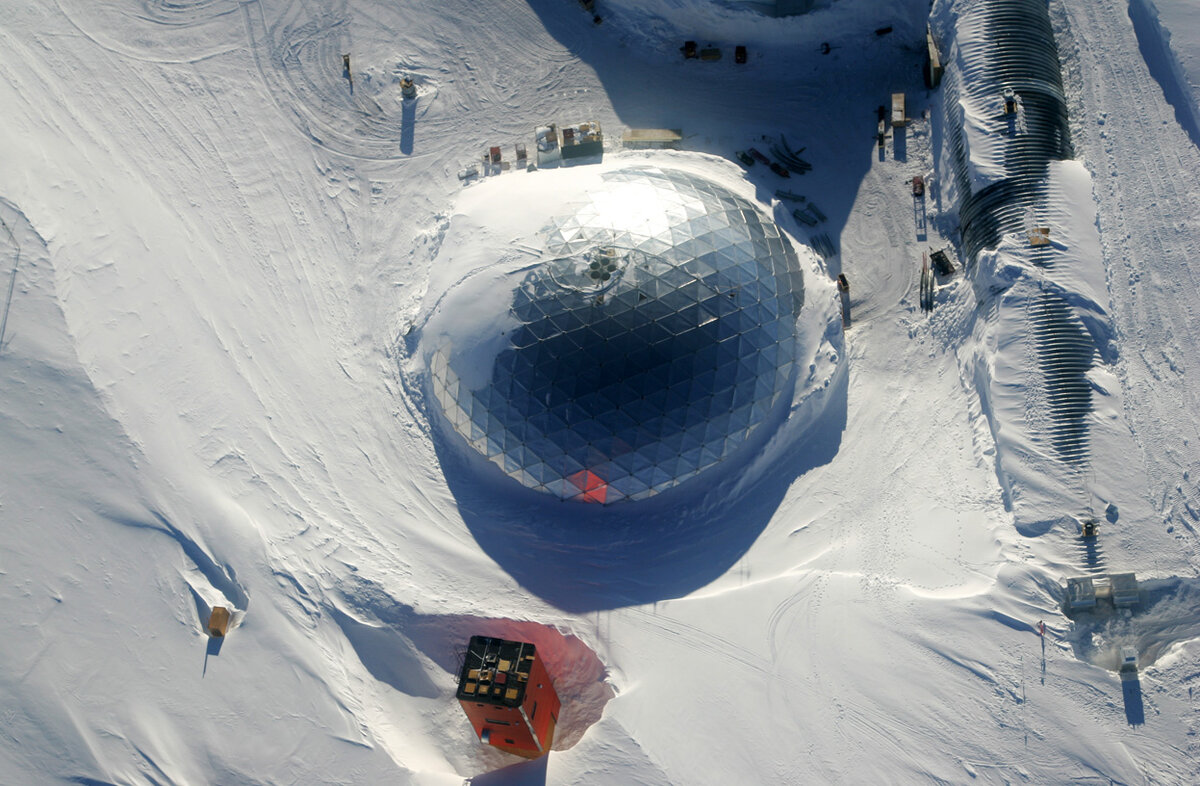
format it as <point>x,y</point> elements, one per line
<point>160,31</point>
<point>298,51</point>
<point>298,48</point>
<point>300,62</point>
<point>892,275</point>
<point>699,638</point>
<point>809,593</point>
<point>828,713</point>
<point>183,12</point>
<point>1143,167</point>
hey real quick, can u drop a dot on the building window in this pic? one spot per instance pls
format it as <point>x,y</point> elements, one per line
<point>510,742</point>
<point>534,713</point>
<point>497,722</point>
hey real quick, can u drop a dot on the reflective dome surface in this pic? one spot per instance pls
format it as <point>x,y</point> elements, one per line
<point>654,341</point>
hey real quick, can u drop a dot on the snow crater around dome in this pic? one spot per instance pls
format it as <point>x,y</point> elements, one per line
<point>652,338</point>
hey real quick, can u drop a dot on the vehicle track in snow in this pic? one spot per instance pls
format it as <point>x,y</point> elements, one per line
<point>833,718</point>
<point>702,639</point>
<point>266,214</point>
<point>299,48</point>
<point>1143,166</point>
<point>162,31</point>
<point>300,59</point>
<point>879,248</point>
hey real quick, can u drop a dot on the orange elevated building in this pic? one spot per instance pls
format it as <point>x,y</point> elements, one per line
<point>507,694</point>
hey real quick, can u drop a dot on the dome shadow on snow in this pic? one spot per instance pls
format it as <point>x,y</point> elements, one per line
<point>583,557</point>
<point>804,75</point>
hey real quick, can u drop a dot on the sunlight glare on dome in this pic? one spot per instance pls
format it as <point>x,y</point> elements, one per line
<point>651,343</point>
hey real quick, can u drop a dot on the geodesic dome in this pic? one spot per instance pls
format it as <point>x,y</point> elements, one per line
<point>654,341</point>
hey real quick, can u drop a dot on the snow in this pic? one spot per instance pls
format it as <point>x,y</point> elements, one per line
<point>223,252</point>
<point>1173,60</point>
